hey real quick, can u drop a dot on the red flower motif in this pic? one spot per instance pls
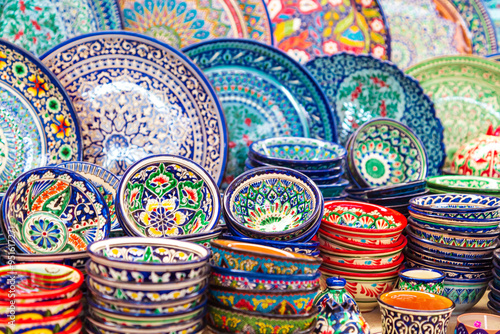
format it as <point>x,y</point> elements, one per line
<point>18,35</point>
<point>36,25</point>
<point>244,305</point>
<point>160,179</point>
<point>22,6</point>
<point>357,92</point>
<point>248,121</point>
<point>383,109</point>
<point>232,144</point>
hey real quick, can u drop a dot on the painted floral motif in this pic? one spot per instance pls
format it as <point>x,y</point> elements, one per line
<point>480,157</point>
<point>240,282</point>
<point>411,285</point>
<point>465,183</point>
<point>493,8</point>
<point>359,218</point>
<point>307,29</point>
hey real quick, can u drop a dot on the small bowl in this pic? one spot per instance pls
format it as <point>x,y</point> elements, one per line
<point>421,279</point>
<point>250,164</point>
<point>478,323</point>
<point>371,257</point>
<point>306,248</point>
<point>257,281</point>
<point>283,302</point>
<point>41,310</point>
<point>465,293</point>
<point>263,259</point>
<point>298,153</point>
<point>272,203</point>
<point>418,309</point>
<point>456,203</point>
<point>149,260</point>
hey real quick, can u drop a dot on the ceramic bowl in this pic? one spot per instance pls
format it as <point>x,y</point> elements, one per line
<point>251,163</point>
<point>272,203</point>
<point>257,281</point>
<point>165,195</point>
<point>478,323</point>
<point>262,259</point>
<point>382,241</point>
<point>148,260</point>
<point>306,248</point>
<point>298,153</point>
<point>470,227</point>
<point>340,242</point>
<point>76,328</point>
<point>41,282</point>
<point>282,302</point>
<point>465,183</point>
<point>478,156</point>
<point>388,191</point>
<point>328,179</point>
<point>363,268</point>
<point>41,310</point>
<point>398,200</point>
<point>405,311</point>
<point>465,293</point>
<point>459,215</point>
<point>333,189</point>
<point>76,259</point>
<point>481,222</point>
<point>456,203</point>
<point>421,279</point>
<point>238,321</point>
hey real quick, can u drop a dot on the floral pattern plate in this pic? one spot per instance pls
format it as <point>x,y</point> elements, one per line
<point>459,183</point>
<point>54,210</point>
<point>465,91</point>
<point>181,23</point>
<point>38,25</point>
<point>306,29</point>
<point>493,9</point>
<point>165,195</point>
<point>361,87</point>
<point>103,180</point>
<point>38,122</point>
<point>135,97</point>
<point>265,93</point>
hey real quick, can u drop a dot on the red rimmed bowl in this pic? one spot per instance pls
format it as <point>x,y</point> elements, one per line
<point>338,242</point>
<point>41,310</point>
<point>364,239</point>
<point>369,267</point>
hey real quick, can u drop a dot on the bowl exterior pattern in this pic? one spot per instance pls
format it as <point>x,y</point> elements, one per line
<point>491,214</point>
<point>96,327</point>
<point>463,295</point>
<point>359,218</point>
<point>465,253</point>
<point>468,273</point>
<point>397,322</point>
<point>409,284</point>
<point>471,241</point>
<point>455,202</point>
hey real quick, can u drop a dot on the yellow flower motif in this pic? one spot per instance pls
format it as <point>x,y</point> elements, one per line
<point>228,301</point>
<point>162,218</point>
<point>265,303</point>
<point>3,58</point>
<point>39,86</point>
<point>61,127</point>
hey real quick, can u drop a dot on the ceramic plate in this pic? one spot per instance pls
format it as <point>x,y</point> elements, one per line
<point>103,180</point>
<point>135,97</point>
<point>493,9</point>
<point>38,25</point>
<point>361,88</point>
<point>465,92</point>
<point>306,29</point>
<point>38,123</point>
<point>181,23</point>
<point>166,195</point>
<point>465,183</point>
<point>448,26</point>
<point>265,94</point>
<point>54,210</point>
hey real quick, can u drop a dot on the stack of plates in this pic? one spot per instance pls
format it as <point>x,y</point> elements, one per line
<point>320,160</point>
<point>362,243</point>
<point>45,298</point>
<point>494,296</point>
<point>252,286</point>
<point>464,184</point>
<point>276,206</point>
<point>456,234</point>
<point>146,285</point>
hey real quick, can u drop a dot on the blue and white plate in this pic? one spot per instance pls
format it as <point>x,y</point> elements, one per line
<point>135,97</point>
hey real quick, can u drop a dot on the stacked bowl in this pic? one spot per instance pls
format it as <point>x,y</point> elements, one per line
<point>276,207</point>
<point>256,289</point>
<point>146,285</point>
<point>320,160</point>
<point>456,234</point>
<point>464,184</point>
<point>494,285</point>
<point>40,298</point>
<point>362,243</point>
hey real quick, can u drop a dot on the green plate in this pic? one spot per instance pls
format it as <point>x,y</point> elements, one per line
<point>464,183</point>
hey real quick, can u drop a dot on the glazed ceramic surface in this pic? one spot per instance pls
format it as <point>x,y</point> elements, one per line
<point>464,90</point>
<point>465,183</point>
<point>361,88</point>
<point>478,157</point>
<point>182,23</point>
<point>54,210</point>
<point>385,152</point>
<point>166,195</point>
<point>306,248</point>
<point>103,180</point>
<point>423,280</point>
<point>465,294</point>
<point>456,203</point>
<point>265,93</point>
<point>41,310</point>
<point>388,191</point>
<point>493,9</point>
<point>458,215</point>
<point>144,98</point>
<point>250,163</point>
<point>75,259</point>
<point>478,323</point>
<point>39,125</point>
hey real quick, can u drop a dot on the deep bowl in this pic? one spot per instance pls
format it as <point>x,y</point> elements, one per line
<point>306,248</point>
<point>456,203</point>
<point>421,279</point>
<point>377,240</point>
<point>450,225</point>
<point>465,293</point>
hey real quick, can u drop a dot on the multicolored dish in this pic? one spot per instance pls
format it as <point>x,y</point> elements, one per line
<point>456,203</point>
<point>465,183</point>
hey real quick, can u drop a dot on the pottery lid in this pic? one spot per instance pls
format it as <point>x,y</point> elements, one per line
<point>335,283</point>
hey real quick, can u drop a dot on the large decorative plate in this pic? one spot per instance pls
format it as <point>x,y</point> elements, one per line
<point>180,23</point>
<point>466,92</point>
<point>265,93</point>
<point>38,25</point>
<point>38,125</point>
<point>423,29</point>
<point>165,195</point>
<point>306,29</point>
<point>493,9</point>
<point>135,97</point>
<point>361,87</point>
<point>104,181</point>
<point>54,210</point>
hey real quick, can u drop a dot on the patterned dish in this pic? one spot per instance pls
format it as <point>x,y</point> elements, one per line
<point>421,253</point>
<point>298,153</point>
<point>182,23</point>
<point>480,156</point>
<point>361,88</point>
<point>331,172</point>
<point>42,310</point>
<point>388,191</point>
<point>363,268</point>
<point>313,29</point>
<point>306,248</point>
<point>458,216</point>
<point>265,93</point>
<point>456,203</point>
<point>464,183</point>
<point>367,258</point>
<point>38,25</point>
<point>54,210</point>
<point>189,327</point>
<point>135,97</point>
<point>75,260</point>
<point>272,203</point>
<point>385,152</point>
<point>39,125</point>
<point>165,195</point>
<point>464,90</point>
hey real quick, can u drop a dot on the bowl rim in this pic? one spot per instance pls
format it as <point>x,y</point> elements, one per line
<point>322,232</point>
<point>374,190</point>
<point>336,170</point>
<point>414,224</point>
<point>398,248</point>
<point>431,181</point>
<point>294,278</point>
<point>73,314</point>
<point>413,211</point>
<point>54,302</point>
<point>274,292</point>
<point>417,248</point>
<point>391,265</point>
<point>49,257</point>
<point>386,275</point>
<point>459,227</point>
<point>424,312</point>
<point>313,313</point>
<point>441,277</point>
<point>75,329</point>
<point>413,202</point>
<point>340,230</point>
<point>447,268</point>
<point>311,245</point>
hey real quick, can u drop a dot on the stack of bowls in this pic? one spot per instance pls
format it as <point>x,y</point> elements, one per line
<point>456,234</point>
<point>494,296</point>
<point>362,243</point>
<point>146,285</point>
<point>256,288</point>
<point>41,297</point>
<point>464,184</point>
<point>320,160</point>
<point>275,207</point>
